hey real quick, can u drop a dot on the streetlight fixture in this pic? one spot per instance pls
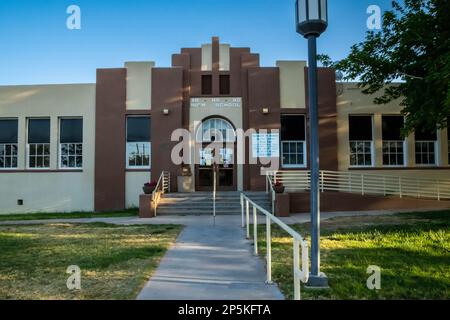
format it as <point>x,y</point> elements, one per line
<point>312,21</point>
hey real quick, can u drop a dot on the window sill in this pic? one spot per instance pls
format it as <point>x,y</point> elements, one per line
<point>39,171</point>
<point>138,169</point>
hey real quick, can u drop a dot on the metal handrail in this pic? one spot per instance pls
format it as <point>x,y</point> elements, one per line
<point>300,271</point>
<point>269,188</point>
<point>368,183</point>
<point>163,184</point>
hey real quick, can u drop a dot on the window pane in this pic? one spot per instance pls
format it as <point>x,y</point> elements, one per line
<point>8,131</point>
<point>448,128</point>
<point>224,80</point>
<point>40,149</point>
<point>71,131</point>
<point>313,10</point>
<point>422,134</point>
<point>64,162</point>
<point>46,161</point>
<point>79,161</point>
<point>138,129</point>
<point>293,127</point>
<point>64,149</point>
<point>206,84</point>
<point>39,131</point>
<point>32,162</point>
<point>392,126</point>
<point>360,128</point>
<point>39,162</point>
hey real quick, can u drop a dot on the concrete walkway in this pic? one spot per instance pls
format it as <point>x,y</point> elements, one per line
<point>210,263</point>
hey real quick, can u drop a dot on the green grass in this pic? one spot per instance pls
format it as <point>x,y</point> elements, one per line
<point>412,250</point>
<point>69,215</point>
<point>115,261</point>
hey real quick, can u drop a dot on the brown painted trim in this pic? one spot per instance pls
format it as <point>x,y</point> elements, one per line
<point>41,171</point>
<point>138,170</point>
<point>287,111</point>
<point>215,66</point>
<point>110,127</point>
<point>139,112</point>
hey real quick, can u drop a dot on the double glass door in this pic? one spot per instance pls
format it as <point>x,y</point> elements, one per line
<point>219,160</point>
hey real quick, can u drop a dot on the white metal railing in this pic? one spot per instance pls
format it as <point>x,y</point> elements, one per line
<point>367,183</point>
<point>162,187</point>
<point>300,270</point>
<point>270,180</point>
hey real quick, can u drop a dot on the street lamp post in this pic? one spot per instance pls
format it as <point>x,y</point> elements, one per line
<point>312,21</point>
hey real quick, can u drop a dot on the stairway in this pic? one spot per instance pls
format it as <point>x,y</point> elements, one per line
<point>201,203</point>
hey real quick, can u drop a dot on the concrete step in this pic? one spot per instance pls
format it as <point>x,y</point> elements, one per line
<point>201,203</point>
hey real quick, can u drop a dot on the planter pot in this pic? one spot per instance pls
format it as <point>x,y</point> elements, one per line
<point>148,190</point>
<point>278,189</point>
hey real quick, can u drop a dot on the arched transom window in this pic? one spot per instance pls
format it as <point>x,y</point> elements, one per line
<point>216,130</point>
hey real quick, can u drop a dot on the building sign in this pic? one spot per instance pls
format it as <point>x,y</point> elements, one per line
<point>216,103</point>
<point>266,145</point>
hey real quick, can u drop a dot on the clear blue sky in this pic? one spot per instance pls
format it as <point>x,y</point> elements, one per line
<point>36,47</point>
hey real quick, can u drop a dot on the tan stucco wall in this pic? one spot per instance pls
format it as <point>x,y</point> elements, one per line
<point>49,191</point>
<point>292,84</point>
<point>234,115</point>
<point>224,57</point>
<point>134,181</point>
<point>353,102</point>
<point>206,57</point>
<point>139,85</point>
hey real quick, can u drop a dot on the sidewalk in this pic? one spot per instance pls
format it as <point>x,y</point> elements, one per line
<point>210,263</point>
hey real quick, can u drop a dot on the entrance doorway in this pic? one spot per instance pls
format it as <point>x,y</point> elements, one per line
<point>215,152</point>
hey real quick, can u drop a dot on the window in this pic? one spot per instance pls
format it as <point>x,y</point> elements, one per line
<point>39,143</point>
<point>361,141</point>
<point>425,147</point>
<point>71,143</point>
<point>393,143</point>
<point>206,84</point>
<point>293,141</point>
<point>138,142</point>
<point>224,80</point>
<point>448,138</point>
<point>216,130</point>
<point>8,143</point>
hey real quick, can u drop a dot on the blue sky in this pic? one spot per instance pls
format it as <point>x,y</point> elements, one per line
<point>36,47</point>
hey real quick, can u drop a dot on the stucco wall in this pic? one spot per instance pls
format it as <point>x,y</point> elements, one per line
<point>139,85</point>
<point>134,181</point>
<point>224,57</point>
<point>292,84</point>
<point>50,190</point>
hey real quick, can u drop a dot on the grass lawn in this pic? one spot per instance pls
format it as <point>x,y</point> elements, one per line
<point>69,215</point>
<point>115,261</point>
<point>412,250</point>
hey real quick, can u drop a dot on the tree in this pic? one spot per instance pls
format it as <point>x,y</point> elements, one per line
<point>413,49</point>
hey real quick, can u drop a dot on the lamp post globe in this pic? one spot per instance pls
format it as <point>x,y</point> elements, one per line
<point>311,16</point>
<point>311,22</point>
